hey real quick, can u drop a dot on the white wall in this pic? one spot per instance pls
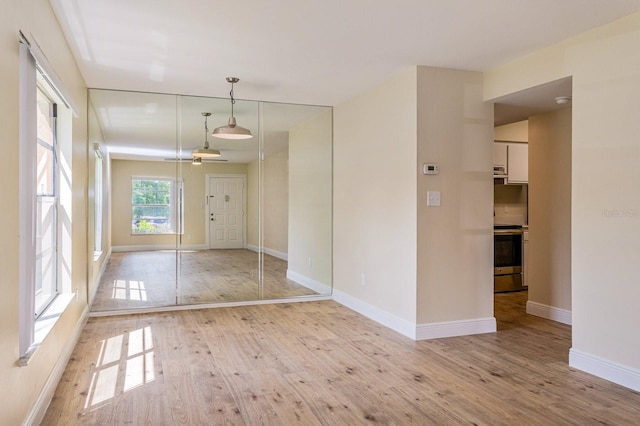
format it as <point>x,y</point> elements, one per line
<point>605,212</point>
<point>22,386</point>
<point>375,226</point>
<point>455,240</point>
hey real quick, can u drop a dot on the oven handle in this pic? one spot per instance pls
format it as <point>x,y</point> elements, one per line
<point>508,232</point>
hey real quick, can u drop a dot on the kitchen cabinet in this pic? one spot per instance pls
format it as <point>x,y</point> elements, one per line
<point>518,163</point>
<point>515,156</point>
<point>500,154</point>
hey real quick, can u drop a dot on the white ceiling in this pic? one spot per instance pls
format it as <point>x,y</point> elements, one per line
<point>314,52</point>
<point>317,52</point>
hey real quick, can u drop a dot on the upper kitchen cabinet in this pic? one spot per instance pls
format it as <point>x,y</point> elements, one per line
<point>514,157</point>
<point>512,151</point>
<point>500,155</point>
<point>517,163</point>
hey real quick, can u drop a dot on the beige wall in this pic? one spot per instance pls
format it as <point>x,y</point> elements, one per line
<point>513,132</point>
<point>455,240</point>
<point>510,200</point>
<point>310,199</point>
<point>194,198</point>
<point>375,212</point>
<point>276,201</point>
<point>253,204</point>
<point>21,386</point>
<point>424,265</point>
<point>550,209</point>
<point>605,201</point>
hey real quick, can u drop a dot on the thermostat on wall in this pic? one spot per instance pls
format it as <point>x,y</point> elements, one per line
<point>430,169</point>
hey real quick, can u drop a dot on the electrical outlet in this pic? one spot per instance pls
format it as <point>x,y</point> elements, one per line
<point>363,280</point>
<point>309,262</point>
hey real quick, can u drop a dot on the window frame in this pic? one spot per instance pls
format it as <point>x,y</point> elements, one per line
<point>98,204</point>
<point>175,205</point>
<point>35,71</point>
<point>42,302</point>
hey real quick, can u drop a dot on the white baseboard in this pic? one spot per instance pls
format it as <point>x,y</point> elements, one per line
<point>194,247</point>
<point>120,249</point>
<point>400,325</point>
<point>415,331</point>
<point>549,312</point>
<point>438,330</point>
<point>608,370</point>
<point>309,283</point>
<point>39,409</point>
<point>275,253</point>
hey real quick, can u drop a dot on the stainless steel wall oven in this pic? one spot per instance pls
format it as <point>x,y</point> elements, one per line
<point>507,258</point>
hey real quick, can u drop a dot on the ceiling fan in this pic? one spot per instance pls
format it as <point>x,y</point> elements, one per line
<point>190,159</point>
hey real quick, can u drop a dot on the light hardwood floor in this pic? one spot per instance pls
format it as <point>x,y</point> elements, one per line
<point>134,280</point>
<point>319,363</point>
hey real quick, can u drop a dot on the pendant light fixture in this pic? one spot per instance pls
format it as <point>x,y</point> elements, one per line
<point>232,130</point>
<point>205,151</point>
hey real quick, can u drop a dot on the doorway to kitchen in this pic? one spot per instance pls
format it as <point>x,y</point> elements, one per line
<point>543,199</point>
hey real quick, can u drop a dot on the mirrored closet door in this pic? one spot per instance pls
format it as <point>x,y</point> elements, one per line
<point>253,223</point>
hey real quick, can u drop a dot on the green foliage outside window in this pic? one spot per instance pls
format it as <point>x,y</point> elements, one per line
<point>153,203</point>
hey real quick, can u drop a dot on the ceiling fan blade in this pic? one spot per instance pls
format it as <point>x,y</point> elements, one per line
<point>190,159</point>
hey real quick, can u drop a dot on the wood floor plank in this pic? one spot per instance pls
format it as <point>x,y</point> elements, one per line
<point>319,363</point>
<point>134,280</point>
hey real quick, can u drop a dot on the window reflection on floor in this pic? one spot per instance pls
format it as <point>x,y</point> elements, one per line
<point>125,362</point>
<point>129,290</point>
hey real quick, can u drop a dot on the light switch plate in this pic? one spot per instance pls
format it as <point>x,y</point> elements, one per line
<point>433,198</point>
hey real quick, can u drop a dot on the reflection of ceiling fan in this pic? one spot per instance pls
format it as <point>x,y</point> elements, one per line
<point>190,159</point>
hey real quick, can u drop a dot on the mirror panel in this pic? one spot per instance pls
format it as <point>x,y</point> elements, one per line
<point>253,224</point>
<point>138,132</point>
<point>216,260</point>
<point>296,188</point>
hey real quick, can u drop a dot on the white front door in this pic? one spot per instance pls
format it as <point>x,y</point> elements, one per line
<point>225,214</point>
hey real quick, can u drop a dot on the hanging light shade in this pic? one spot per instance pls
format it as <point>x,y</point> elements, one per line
<point>205,151</point>
<point>232,130</point>
<point>197,161</point>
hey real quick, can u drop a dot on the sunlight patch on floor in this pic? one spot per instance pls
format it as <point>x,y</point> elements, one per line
<point>125,362</point>
<point>129,290</point>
